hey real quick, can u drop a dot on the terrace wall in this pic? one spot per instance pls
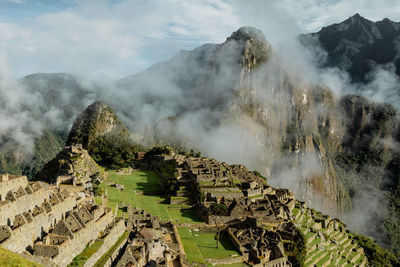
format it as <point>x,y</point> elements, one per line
<point>109,262</point>
<point>72,247</point>
<point>11,182</point>
<point>24,203</point>
<point>118,229</point>
<point>25,235</point>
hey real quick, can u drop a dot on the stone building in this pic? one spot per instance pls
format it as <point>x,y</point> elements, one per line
<point>71,235</point>
<point>258,246</point>
<point>154,242</point>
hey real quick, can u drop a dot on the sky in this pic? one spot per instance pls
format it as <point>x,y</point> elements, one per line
<point>113,39</point>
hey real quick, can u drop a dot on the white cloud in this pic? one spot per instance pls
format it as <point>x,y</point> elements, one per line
<point>120,38</point>
<point>311,15</point>
<point>114,38</point>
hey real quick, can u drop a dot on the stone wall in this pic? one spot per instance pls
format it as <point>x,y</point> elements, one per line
<point>110,261</point>
<point>25,235</point>
<point>11,182</point>
<point>281,262</point>
<point>24,203</point>
<point>72,247</point>
<point>118,229</point>
<point>223,261</point>
<point>179,241</point>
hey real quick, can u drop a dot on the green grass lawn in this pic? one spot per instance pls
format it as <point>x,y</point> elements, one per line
<point>139,189</point>
<point>192,251</point>
<point>199,246</point>
<point>10,259</point>
<point>208,245</point>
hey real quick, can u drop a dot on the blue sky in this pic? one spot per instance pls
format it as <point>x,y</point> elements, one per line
<point>118,38</point>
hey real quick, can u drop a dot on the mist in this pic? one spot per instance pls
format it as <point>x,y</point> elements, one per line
<point>206,99</point>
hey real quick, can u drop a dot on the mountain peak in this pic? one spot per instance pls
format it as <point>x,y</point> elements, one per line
<point>357,18</point>
<point>97,120</point>
<point>358,44</point>
<point>256,48</point>
<point>248,33</point>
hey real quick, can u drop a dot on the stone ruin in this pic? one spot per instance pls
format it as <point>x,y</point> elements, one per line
<point>258,246</point>
<point>257,217</point>
<point>154,242</point>
<point>50,225</point>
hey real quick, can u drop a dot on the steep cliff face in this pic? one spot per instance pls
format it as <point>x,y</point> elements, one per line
<point>301,129</point>
<point>15,158</point>
<point>237,102</point>
<point>367,160</point>
<point>53,100</point>
<point>238,93</point>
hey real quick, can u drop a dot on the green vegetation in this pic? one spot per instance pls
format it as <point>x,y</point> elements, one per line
<point>377,256</point>
<point>232,265</point>
<point>159,150</point>
<point>256,196</point>
<point>97,189</point>
<point>45,148</point>
<point>11,259</point>
<point>102,261</point>
<point>296,250</point>
<point>192,251</point>
<point>207,245</point>
<point>81,259</point>
<point>143,190</point>
<point>199,246</point>
<point>259,175</point>
<point>219,209</point>
<point>112,152</point>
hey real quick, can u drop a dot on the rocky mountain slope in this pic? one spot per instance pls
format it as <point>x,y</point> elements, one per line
<point>99,130</point>
<point>241,87</point>
<point>97,121</point>
<point>368,159</point>
<point>359,45</point>
<point>53,100</point>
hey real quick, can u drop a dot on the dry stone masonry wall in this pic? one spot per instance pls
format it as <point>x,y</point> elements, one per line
<point>51,226</point>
